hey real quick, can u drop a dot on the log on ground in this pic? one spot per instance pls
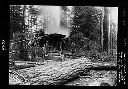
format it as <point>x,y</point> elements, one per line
<point>59,73</point>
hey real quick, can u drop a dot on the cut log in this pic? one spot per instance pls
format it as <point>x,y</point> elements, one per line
<point>56,74</point>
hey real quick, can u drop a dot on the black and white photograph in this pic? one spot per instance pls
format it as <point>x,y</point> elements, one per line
<point>63,45</point>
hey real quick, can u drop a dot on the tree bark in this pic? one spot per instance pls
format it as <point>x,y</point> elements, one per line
<point>24,9</point>
<point>105,29</point>
<point>102,30</point>
<point>56,74</point>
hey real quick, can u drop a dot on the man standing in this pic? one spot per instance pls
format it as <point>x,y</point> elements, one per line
<point>73,47</point>
<point>44,51</point>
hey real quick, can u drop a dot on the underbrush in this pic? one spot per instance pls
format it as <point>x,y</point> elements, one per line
<point>93,51</point>
<point>96,56</point>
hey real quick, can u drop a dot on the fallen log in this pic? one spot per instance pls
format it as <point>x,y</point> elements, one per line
<point>95,78</point>
<point>56,74</point>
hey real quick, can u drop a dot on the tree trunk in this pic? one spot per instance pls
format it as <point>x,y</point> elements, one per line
<point>24,9</point>
<point>105,29</point>
<point>102,30</point>
<point>59,73</point>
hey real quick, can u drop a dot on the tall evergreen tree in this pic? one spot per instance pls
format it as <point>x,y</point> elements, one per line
<point>86,25</point>
<point>17,29</point>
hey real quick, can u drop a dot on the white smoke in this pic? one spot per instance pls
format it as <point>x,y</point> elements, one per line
<point>52,18</point>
